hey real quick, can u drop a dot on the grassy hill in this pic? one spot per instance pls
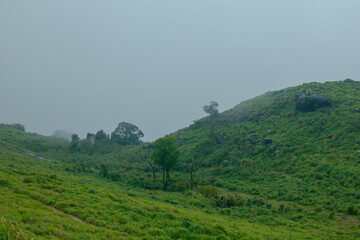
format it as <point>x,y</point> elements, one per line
<point>305,163</point>
<point>313,159</point>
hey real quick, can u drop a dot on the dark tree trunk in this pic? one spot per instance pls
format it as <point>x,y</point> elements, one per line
<point>153,177</point>
<point>167,178</point>
<point>164,180</point>
<point>191,179</point>
<point>266,199</point>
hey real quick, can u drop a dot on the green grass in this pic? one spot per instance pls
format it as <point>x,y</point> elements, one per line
<point>311,169</point>
<point>30,187</point>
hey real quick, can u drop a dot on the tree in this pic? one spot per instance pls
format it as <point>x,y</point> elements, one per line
<point>101,142</point>
<point>192,164</point>
<point>90,137</point>
<point>211,109</point>
<point>127,134</point>
<point>210,193</point>
<point>75,138</point>
<point>74,141</point>
<point>165,155</point>
<point>104,171</point>
<point>101,135</point>
<point>144,153</point>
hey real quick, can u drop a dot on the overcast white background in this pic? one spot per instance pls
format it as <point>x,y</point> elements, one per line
<point>84,65</point>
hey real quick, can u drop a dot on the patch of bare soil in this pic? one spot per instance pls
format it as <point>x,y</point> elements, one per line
<point>70,215</point>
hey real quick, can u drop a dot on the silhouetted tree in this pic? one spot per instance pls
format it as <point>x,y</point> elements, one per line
<point>211,109</point>
<point>102,142</point>
<point>127,134</point>
<point>90,137</point>
<point>100,136</point>
<point>74,141</point>
<point>74,138</point>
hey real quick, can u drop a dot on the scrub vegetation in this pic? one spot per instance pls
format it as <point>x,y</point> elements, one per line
<point>287,173</point>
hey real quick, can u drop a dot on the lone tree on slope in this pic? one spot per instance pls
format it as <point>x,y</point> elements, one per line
<point>211,109</point>
<point>166,155</point>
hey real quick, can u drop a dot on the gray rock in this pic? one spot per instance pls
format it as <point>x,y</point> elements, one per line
<point>267,141</point>
<point>309,103</point>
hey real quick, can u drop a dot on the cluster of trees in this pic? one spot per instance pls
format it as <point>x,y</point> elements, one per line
<point>161,156</point>
<point>124,134</point>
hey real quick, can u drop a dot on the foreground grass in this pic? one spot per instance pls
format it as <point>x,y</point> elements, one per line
<point>29,188</point>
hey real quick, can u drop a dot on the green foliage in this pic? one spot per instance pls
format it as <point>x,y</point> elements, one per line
<point>74,142</point>
<point>166,152</point>
<point>351,210</point>
<point>8,231</point>
<point>127,134</point>
<point>104,171</point>
<point>91,191</point>
<point>211,109</point>
<point>101,136</point>
<point>165,155</point>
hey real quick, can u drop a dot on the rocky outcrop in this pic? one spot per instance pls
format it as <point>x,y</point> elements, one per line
<point>310,102</point>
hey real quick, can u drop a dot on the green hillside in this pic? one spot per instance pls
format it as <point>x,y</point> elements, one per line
<point>313,159</point>
<point>305,163</point>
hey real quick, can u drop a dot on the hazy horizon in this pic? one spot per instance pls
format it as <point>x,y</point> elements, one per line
<point>87,65</point>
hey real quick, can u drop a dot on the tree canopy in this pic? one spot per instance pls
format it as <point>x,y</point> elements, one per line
<point>127,134</point>
<point>211,109</point>
<point>101,136</point>
<point>166,155</point>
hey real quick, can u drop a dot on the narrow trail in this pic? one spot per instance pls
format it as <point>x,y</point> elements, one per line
<point>24,152</point>
<point>70,215</point>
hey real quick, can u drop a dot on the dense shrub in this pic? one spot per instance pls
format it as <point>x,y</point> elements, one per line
<point>351,210</point>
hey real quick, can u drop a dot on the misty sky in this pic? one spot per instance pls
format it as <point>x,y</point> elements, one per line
<point>82,65</point>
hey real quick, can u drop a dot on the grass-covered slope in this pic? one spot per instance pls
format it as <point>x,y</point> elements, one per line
<point>40,201</point>
<point>309,170</point>
<point>313,159</point>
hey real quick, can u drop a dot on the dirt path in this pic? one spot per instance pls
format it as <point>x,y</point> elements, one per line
<point>70,215</point>
<point>24,152</point>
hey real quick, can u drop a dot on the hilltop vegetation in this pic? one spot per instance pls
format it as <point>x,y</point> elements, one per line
<point>311,158</point>
<point>289,174</point>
